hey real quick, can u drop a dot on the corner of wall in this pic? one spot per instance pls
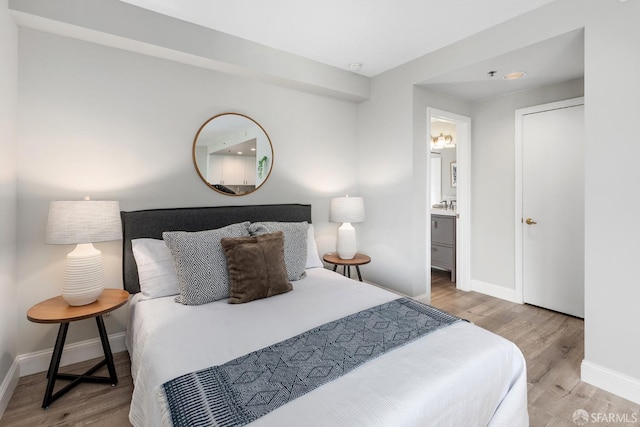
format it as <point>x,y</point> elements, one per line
<point>611,381</point>
<point>496,291</point>
<point>8,385</point>
<point>8,204</point>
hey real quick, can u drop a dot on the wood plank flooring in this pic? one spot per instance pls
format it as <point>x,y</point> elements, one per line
<point>87,404</point>
<point>552,344</point>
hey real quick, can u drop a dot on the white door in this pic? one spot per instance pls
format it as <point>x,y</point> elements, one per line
<point>553,209</point>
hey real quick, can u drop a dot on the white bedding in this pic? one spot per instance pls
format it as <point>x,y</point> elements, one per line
<point>461,375</point>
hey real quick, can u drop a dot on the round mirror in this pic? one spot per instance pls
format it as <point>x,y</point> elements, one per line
<point>232,154</point>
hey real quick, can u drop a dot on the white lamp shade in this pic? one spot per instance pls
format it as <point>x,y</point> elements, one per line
<point>82,223</point>
<point>346,209</point>
<point>86,221</point>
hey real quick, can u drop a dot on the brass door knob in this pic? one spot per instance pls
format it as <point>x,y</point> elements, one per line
<point>530,221</point>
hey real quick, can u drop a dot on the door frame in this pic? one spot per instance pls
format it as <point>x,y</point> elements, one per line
<point>463,196</point>
<point>518,218</point>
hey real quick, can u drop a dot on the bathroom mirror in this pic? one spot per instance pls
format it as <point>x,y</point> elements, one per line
<point>232,154</point>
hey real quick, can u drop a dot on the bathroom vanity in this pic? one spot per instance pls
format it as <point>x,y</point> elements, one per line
<point>443,240</point>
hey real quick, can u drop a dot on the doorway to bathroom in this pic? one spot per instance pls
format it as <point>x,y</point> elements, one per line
<point>448,207</point>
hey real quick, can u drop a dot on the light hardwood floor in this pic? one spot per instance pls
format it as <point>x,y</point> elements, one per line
<point>552,344</point>
<point>87,404</point>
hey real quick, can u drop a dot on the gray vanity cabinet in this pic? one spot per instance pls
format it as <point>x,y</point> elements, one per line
<point>443,243</point>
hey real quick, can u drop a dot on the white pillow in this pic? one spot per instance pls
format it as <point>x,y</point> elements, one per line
<point>156,269</point>
<point>313,259</point>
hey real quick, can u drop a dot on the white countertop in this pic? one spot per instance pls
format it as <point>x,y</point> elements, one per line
<point>446,212</point>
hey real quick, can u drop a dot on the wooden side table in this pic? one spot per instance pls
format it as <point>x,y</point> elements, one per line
<point>57,310</point>
<point>357,261</point>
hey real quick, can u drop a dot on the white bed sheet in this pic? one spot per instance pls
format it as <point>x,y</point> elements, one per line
<point>461,375</point>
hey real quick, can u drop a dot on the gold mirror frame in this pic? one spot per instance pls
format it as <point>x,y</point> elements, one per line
<point>222,154</point>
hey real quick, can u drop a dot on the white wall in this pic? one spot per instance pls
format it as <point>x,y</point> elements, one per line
<point>120,125</point>
<point>384,173</point>
<point>612,289</point>
<point>119,24</point>
<point>8,201</point>
<point>493,180</point>
<point>392,140</point>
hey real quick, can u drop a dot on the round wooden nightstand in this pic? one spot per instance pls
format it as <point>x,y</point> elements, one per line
<point>357,261</point>
<point>57,310</point>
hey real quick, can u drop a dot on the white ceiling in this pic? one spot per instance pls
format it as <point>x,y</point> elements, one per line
<point>379,34</point>
<point>552,61</point>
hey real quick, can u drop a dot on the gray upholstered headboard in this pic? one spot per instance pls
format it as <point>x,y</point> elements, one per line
<point>151,223</point>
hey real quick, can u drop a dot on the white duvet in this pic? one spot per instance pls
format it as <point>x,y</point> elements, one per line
<point>461,375</point>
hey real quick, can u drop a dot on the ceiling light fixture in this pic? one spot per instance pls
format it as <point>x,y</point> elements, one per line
<point>442,141</point>
<point>355,66</point>
<point>514,76</point>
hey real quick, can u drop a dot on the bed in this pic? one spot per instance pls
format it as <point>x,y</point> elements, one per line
<point>458,375</point>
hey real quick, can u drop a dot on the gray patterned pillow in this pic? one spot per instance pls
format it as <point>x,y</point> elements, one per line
<point>295,244</point>
<point>200,263</point>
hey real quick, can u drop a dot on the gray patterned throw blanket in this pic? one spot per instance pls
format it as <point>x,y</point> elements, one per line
<point>246,388</point>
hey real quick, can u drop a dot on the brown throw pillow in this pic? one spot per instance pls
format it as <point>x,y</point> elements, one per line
<point>256,267</point>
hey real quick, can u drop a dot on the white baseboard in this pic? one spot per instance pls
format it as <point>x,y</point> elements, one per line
<point>9,385</point>
<point>611,381</point>
<point>384,287</point>
<point>494,290</point>
<point>32,363</point>
<point>422,297</point>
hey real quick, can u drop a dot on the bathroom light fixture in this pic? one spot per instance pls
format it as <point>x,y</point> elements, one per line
<point>83,223</point>
<point>514,76</point>
<point>442,141</point>
<point>346,210</point>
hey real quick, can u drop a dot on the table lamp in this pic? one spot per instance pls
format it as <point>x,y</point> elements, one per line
<point>83,223</point>
<point>346,210</point>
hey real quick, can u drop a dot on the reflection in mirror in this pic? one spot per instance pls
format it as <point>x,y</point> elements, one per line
<point>436,180</point>
<point>442,189</point>
<point>232,154</point>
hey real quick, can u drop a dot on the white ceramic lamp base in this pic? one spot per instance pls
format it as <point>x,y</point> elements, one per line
<point>83,275</point>
<point>347,243</point>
